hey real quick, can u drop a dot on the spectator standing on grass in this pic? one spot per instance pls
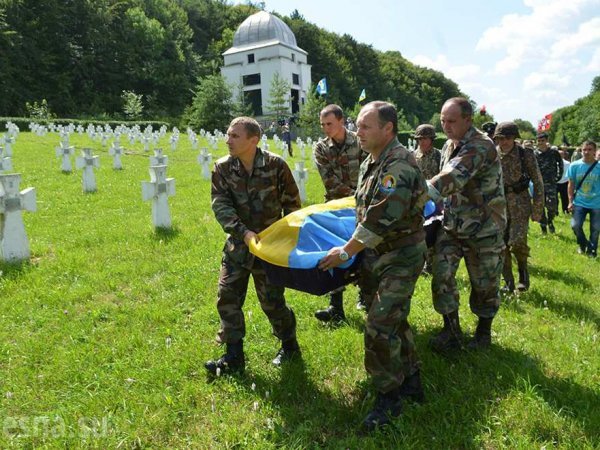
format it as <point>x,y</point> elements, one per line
<point>584,198</point>
<point>251,189</point>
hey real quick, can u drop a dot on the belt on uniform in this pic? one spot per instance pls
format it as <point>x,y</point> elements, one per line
<point>388,246</point>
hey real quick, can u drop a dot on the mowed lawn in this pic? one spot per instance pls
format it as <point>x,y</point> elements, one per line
<point>103,335</point>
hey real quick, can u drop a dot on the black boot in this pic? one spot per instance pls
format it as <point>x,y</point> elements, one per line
<point>450,337</point>
<point>412,388</point>
<point>509,279</point>
<point>544,230</point>
<point>387,406</point>
<point>523,275</point>
<point>483,334</point>
<point>289,350</point>
<point>335,311</point>
<point>231,362</point>
<point>551,228</point>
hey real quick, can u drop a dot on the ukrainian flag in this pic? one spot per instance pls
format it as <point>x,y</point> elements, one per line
<point>292,247</point>
<point>322,87</point>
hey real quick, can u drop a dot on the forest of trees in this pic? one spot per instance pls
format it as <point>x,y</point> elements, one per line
<point>85,59</point>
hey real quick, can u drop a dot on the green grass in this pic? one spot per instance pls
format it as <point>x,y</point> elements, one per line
<point>103,336</point>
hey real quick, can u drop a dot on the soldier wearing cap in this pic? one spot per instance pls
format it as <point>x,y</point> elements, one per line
<point>428,159</point>
<point>519,167</point>
<point>551,168</point>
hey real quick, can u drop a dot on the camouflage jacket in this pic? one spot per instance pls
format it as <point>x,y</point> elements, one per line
<point>517,162</point>
<point>551,165</point>
<point>390,199</point>
<point>339,166</point>
<point>428,163</point>
<point>245,202</point>
<point>471,182</point>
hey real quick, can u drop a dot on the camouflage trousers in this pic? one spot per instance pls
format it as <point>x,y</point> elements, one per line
<point>515,237</point>
<point>483,259</point>
<point>389,279</point>
<point>233,286</point>
<point>550,210</point>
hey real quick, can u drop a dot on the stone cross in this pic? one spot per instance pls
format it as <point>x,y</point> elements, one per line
<point>5,162</point>
<point>158,189</point>
<point>174,140</point>
<point>302,145</point>
<point>205,158</point>
<point>194,141</point>
<point>116,151</point>
<point>65,152</point>
<point>8,142</point>
<point>14,245</point>
<point>87,162</point>
<point>301,177</point>
<point>285,153</point>
<point>159,159</point>
<point>145,139</point>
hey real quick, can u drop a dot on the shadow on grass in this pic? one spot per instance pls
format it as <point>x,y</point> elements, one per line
<point>556,275</point>
<point>465,385</point>
<point>567,308</point>
<point>165,234</point>
<point>11,271</point>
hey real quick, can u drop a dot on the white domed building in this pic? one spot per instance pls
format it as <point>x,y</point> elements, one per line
<point>262,46</point>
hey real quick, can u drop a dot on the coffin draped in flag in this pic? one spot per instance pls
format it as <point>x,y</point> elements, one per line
<point>291,248</point>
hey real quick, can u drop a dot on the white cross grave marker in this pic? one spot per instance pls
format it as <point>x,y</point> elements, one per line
<point>65,151</point>
<point>116,151</point>
<point>87,162</point>
<point>14,245</point>
<point>158,189</point>
<point>159,159</point>
<point>8,142</point>
<point>301,177</point>
<point>205,158</point>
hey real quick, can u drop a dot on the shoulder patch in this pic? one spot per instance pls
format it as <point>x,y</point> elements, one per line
<point>387,183</point>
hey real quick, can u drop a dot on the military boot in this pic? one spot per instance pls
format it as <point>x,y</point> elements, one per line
<point>483,334</point>
<point>450,337</point>
<point>231,362</point>
<point>387,406</point>
<point>335,311</point>
<point>412,388</point>
<point>523,275</point>
<point>289,350</point>
<point>509,279</point>
<point>551,228</point>
<point>544,229</point>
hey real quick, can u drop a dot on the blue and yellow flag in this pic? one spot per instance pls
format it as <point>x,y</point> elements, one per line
<point>363,96</point>
<point>322,87</point>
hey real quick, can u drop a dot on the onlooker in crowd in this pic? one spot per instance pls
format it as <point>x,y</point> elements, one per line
<point>584,198</point>
<point>551,168</point>
<point>389,206</point>
<point>428,159</point>
<point>470,182</point>
<point>576,155</point>
<point>561,186</point>
<point>286,137</point>
<point>338,157</point>
<point>519,168</point>
<point>251,189</point>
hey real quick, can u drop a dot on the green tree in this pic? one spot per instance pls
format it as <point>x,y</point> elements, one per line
<point>309,120</point>
<point>239,106</point>
<point>279,97</point>
<point>132,105</point>
<point>212,106</point>
<point>526,129</point>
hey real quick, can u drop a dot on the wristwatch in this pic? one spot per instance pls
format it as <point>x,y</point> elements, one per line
<point>343,255</point>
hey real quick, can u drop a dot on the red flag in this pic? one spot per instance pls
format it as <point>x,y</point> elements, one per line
<point>482,110</point>
<point>544,124</point>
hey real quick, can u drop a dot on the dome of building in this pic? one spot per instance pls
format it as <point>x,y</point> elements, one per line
<point>261,27</point>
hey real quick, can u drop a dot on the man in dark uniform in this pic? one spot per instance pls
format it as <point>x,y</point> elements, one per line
<point>338,157</point>
<point>519,167</point>
<point>251,189</point>
<point>389,214</point>
<point>551,168</point>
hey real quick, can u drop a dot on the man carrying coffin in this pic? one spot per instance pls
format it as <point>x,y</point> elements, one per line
<point>389,212</point>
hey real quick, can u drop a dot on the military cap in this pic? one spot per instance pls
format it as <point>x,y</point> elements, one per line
<point>542,135</point>
<point>507,129</point>
<point>425,130</point>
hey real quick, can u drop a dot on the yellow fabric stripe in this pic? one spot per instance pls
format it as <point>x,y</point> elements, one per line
<point>277,241</point>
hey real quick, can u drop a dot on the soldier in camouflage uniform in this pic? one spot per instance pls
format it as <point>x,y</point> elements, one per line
<point>428,159</point>
<point>519,167</point>
<point>389,213</point>
<point>251,189</point>
<point>470,182</point>
<point>338,157</point>
<point>551,168</point>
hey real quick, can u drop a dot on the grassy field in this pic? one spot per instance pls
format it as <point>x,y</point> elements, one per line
<point>103,336</point>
